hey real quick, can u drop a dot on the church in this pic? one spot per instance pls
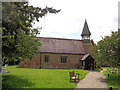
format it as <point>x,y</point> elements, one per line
<point>61,53</point>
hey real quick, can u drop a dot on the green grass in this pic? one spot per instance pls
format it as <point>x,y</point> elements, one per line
<point>105,67</point>
<point>113,80</point>
<point>97,69</point>
<point>39,78</point>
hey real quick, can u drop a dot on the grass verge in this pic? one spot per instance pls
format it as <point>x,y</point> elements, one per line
<point>113,79</point>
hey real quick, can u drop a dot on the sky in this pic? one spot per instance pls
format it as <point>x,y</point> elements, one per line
<point>101,16</point>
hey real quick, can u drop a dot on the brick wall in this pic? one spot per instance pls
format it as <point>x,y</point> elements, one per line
<point>34,63</point>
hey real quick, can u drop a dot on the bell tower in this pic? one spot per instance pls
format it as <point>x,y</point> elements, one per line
<point>86,33</point>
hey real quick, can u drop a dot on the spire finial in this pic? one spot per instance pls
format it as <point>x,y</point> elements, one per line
<point>85,20</point>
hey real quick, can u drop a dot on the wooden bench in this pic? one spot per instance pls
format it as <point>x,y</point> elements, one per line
<point>113,71</point>
<point>74,77</point>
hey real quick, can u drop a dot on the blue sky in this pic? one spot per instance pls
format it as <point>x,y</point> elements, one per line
<point>101,15</point>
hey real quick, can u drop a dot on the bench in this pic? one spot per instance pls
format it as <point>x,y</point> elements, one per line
<point>113,71</point>
<point>74,77</point>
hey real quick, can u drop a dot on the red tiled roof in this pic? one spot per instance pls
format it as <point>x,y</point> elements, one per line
<point>61,45</point>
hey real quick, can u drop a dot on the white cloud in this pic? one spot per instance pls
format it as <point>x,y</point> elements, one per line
<point>100,16</point>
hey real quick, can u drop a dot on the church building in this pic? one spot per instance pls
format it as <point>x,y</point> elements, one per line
<point>63,53</point>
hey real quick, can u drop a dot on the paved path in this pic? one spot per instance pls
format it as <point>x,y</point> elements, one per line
<point>93,79</point>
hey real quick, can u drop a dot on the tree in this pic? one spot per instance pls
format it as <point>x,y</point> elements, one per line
<point>18,36</point>
<point>108,49</point>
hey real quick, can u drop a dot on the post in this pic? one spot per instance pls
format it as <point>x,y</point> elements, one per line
<point>110,87</point>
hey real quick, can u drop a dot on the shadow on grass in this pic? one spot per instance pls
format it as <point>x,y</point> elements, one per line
<point>11,81</point>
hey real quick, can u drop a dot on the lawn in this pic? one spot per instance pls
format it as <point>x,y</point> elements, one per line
<point>39,78</point>
<point>97,69</point>
<point>113,80</point>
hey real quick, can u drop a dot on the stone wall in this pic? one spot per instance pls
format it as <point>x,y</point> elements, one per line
<point>55,61</point>
<point>73,61</point>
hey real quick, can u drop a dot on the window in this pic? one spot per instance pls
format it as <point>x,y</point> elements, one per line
<point>63,59</point>
<point>46,58</point>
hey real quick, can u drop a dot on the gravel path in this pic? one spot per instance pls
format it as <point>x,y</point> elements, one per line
<point>93,79</point>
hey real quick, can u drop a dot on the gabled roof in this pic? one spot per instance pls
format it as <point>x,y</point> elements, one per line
<point>86,30</point>
<point>85,56</point>
<point>61,45</point>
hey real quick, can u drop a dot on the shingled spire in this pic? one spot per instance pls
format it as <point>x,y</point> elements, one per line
<point>86,33</point>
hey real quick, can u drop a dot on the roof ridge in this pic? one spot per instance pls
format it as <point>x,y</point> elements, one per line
<point>60,38</point>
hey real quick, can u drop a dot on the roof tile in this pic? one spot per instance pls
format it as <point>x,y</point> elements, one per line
<point>61,45</point>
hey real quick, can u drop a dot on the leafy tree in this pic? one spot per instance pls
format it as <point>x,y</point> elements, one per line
<point>18,35</point>
<point>108,49</point>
